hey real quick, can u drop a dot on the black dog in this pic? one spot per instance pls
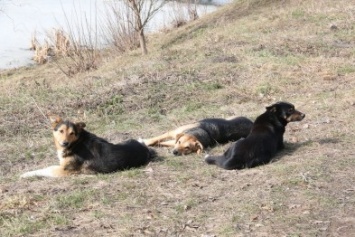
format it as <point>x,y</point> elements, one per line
<point>195,137</point>
<point>214,131</point>
<point>263,142</point>
<point>82,152</point>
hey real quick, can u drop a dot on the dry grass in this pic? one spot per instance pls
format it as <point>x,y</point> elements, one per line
<point>75,49</point>
<point>232,62</point>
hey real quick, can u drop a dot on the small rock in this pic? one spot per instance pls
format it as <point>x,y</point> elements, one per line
<point>333,27</point>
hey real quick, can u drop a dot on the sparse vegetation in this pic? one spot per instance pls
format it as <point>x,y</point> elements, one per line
<point>73,50</point>
<point>183,12</point>
<point>215,66</point>
<point>77,49</point>
<point>118,28</point>
<point>142,12</point>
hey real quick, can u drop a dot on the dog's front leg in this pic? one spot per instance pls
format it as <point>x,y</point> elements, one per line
<point>157,141</point>
<point>170,143</point>
<point>51,171</point>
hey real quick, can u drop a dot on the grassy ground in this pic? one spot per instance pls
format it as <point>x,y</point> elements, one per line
<point>233,62</point>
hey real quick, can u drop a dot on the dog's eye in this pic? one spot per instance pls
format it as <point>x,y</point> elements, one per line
<point>291,110</point>
<point>61,131</point>
<point>71,134</point>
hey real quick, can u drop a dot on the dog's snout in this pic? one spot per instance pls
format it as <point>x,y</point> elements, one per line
<point>65,144</point>
<point>175,152</point>
<point>303,115</point>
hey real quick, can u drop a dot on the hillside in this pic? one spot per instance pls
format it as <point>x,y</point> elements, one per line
<point>235,61</point>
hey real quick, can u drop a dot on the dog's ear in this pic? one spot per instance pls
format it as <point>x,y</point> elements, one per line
<point>54,119</point>
<point>80,126</point>
<point>271,108</point>
<point>178,136</point>
<point>199,147</point>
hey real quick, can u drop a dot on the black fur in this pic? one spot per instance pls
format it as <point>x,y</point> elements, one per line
<point>263,142</point>
<point>95,154</point>
<point>214,131</point>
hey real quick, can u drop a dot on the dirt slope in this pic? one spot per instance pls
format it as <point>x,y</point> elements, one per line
<point>235,61</point>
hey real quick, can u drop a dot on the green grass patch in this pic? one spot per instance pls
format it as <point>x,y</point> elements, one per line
<point>26,224</point>
<point>346,69</point>
<point>298,13</point>
<point>132,173</point>
<point>175,163</point>
<point>75,200</point>
<point>265,89</point>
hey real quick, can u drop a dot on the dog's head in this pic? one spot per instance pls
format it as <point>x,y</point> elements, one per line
<point>65,132</point>
<point>285,112</point>
<point>186,144</point>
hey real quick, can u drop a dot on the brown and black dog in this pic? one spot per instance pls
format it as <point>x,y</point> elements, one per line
<point>263,142</point>
<point>81,152</point>
<point>205,133</point>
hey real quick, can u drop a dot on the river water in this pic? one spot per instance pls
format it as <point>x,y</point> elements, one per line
<point>21,19</point>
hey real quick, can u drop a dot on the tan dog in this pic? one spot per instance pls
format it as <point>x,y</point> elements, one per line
<point>194,138</point>
<point>81,152</point>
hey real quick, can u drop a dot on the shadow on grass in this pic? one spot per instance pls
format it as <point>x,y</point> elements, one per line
<point>290,148</point>
<point>328,141</point>
<point>156,157</point>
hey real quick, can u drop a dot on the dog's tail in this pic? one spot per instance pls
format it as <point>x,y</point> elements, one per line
<point>153,154</point>
<point>212,160</point>
<point>221,161</point>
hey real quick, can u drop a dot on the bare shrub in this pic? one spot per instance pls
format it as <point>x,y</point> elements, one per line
<point>142,12</point>
<point>118,30</point>
<point>34,42</point>
<point>184,11</point>
<point>41,51</point>
<point>192,9</point>
<point>61,43</point>
<point>75,50</point>
<point>79,45</point>
<point>178,15</point>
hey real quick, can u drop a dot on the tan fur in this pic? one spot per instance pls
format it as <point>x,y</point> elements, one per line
<point>64,134</point>
<point>180,140</point>
<point>183,143</point>
<point>161,140</point>
<point>61,43</point>
<point>186,144</point>
<point>296,116</point>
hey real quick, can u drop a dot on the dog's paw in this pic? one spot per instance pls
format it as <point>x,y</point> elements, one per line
<point>27,175</point>
<point>141,140</point>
